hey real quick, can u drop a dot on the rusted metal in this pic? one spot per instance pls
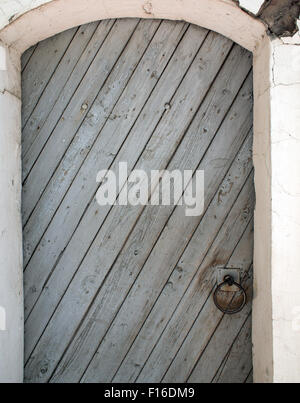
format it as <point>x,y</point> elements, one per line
<point>223,298</point>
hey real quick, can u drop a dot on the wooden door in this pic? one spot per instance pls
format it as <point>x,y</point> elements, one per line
<point>124,293</point>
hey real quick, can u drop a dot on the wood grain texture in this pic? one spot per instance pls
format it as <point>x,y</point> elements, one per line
<point>237,362</point>
<point>55,92</point>
<point>205,347</point>
<point>185,270</point>
<point>165,254</point>
<point>83,141</point>
<point>197,296</point>
<point>26,57</point>
<point>130,286</point>
<point>102,154</point>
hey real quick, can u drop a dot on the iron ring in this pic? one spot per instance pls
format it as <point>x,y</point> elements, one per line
<point>228,280</point>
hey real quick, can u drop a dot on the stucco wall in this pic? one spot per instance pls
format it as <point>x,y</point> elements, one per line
<point>285,145</point>
<point>11,9</point>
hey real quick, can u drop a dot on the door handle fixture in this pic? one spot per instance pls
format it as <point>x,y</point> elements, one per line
<point>229,296</point>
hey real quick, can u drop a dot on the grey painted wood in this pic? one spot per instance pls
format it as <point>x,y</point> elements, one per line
<point>194,300</point>
<point>237,362</point>
<point>26,56</point>
<point>40,68</point>
<point>85,138</point>
<point>54,92</point>
<point>67,92</point>
<point>75,112</point>
<point>116,284</point>
<point>186,268</point>
<point>139,135</point>
<point>164,149</point>
<point>168,246</point>
<point>91,224</point>
<point>249,378</point>
<point>213,340</point>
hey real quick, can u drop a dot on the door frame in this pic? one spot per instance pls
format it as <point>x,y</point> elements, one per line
<point>276,302</point>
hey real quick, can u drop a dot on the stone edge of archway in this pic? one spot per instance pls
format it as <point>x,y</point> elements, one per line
<point>58,15</point>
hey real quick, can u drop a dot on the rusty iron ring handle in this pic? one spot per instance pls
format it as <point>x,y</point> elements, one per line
<point>229,281</point>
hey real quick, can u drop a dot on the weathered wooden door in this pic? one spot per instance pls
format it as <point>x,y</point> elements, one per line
<point>124,293</point>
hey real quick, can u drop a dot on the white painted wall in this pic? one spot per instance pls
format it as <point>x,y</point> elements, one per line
<point>276,314</point>
<point>251,5</point>
<point>11,284</point>
<point>277,218</point>
<point>12,9</point>
<point>285,144</point>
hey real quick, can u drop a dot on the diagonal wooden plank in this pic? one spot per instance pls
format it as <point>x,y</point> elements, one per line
<point>26,57</point>
<point>161,140</point>
<point>89,227</point>
<point>212,341</point>
<point>106,146</point>
<point>164,255</point>
<point>31,154</point>
<point>249,378</point>
<point>133,256</point>
<point>185,270</point>
<point>86,136</point>
<point>199,290</point>
<point>40,68</point>
<point>53,91</point>
<point>90,167</point>
<point>125,326</point>
<point>238,361</point>
<point>75,113</point>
